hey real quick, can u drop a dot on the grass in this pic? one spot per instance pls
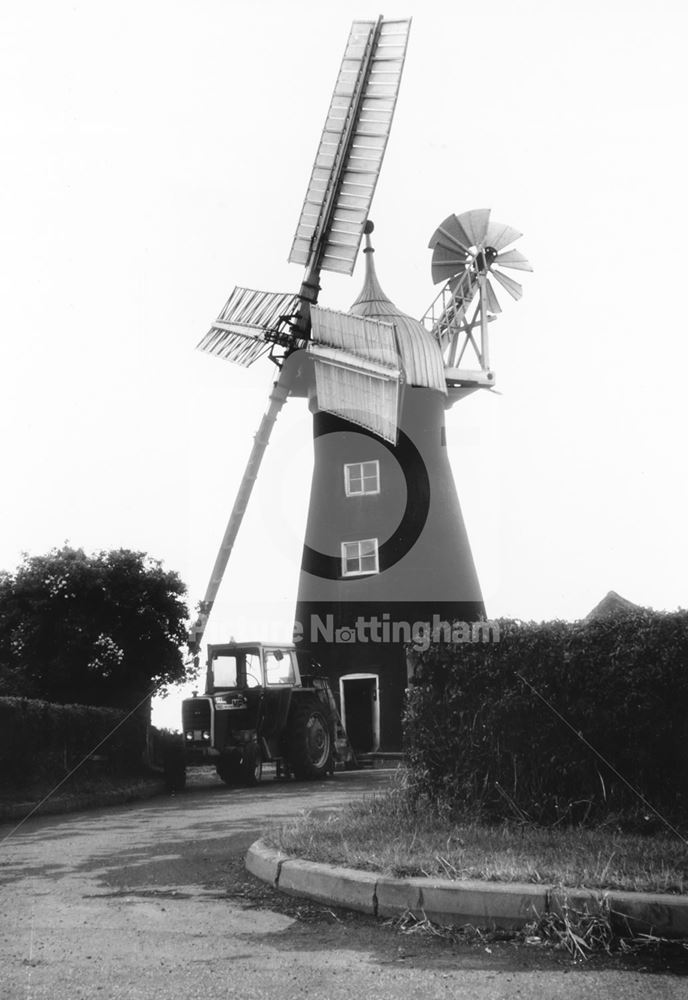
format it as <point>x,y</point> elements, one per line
<point>384,833</point>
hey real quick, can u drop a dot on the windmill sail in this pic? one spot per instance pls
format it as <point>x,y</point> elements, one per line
<point>357,372</point>
<point>238,333</point>
<point>351,147</point>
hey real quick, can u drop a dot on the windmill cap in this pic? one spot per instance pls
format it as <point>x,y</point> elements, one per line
<point>420,353</point>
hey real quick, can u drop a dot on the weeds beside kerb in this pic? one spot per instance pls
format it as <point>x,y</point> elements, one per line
<point>580,931</point>
<point>582,934</point>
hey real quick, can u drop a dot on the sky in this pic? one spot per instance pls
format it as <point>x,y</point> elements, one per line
<point>156,154</point>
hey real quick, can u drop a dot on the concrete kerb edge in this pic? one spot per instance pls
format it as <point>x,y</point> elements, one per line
<point>494,905</point>
<point>265,862</point>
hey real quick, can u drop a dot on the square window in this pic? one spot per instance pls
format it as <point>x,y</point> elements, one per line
<point>360,558</point>
<point>362,478</point>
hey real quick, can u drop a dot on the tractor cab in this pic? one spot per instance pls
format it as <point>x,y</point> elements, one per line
<point>232,667</point>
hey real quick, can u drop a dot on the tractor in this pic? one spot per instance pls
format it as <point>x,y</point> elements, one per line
<point>259,708</point>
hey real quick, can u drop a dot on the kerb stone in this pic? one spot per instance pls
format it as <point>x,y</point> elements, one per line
<point>264,861</point>
<point>329,884</point>
<point>649,913</point>
<point>396,896</point>
<point>480,904</point>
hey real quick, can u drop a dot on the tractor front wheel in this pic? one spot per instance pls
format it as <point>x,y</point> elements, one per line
<point>251,767</point>
<point>228,769</point>
<point>309,740</point>
<point>174,767</point>
<point>242,767</point>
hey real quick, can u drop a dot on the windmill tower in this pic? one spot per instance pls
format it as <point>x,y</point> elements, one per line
<point>386,555</point>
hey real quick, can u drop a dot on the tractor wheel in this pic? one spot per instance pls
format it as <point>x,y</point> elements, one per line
<point>251,767</point>
<point>229,770</point>
<point>174,768</point>
<point>309,739</point>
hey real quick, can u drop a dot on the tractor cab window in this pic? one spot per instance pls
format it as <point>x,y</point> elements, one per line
<point>225,670</point>
<point>252,670</point>
<point>234,670</point>
<point>279,667</point>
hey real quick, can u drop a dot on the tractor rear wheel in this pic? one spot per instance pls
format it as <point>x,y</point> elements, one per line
<point>309,739</point>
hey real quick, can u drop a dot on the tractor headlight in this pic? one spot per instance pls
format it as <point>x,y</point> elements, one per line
<point>206,734</point>
<point>189,735</point>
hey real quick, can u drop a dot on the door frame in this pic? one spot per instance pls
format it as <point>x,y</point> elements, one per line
<point>376,702</point>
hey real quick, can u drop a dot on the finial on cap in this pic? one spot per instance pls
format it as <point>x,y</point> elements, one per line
<point>367,229</point>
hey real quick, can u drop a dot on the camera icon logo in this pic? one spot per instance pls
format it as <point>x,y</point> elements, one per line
<point>345,634</point>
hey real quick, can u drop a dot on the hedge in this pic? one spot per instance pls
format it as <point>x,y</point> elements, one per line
<point>40,740</point>
<point>479,739</point>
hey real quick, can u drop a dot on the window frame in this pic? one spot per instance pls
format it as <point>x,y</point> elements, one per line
<point>346,558</point>
<point>247,669</point>
<point>288,655</point>
<point>348,466</point>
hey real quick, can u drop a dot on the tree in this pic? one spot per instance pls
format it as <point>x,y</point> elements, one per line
<point>99,629</point>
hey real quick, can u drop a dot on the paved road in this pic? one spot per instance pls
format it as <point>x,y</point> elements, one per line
<point>151,901</point>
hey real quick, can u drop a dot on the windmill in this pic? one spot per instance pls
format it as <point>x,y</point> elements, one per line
<point>386,551</point>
